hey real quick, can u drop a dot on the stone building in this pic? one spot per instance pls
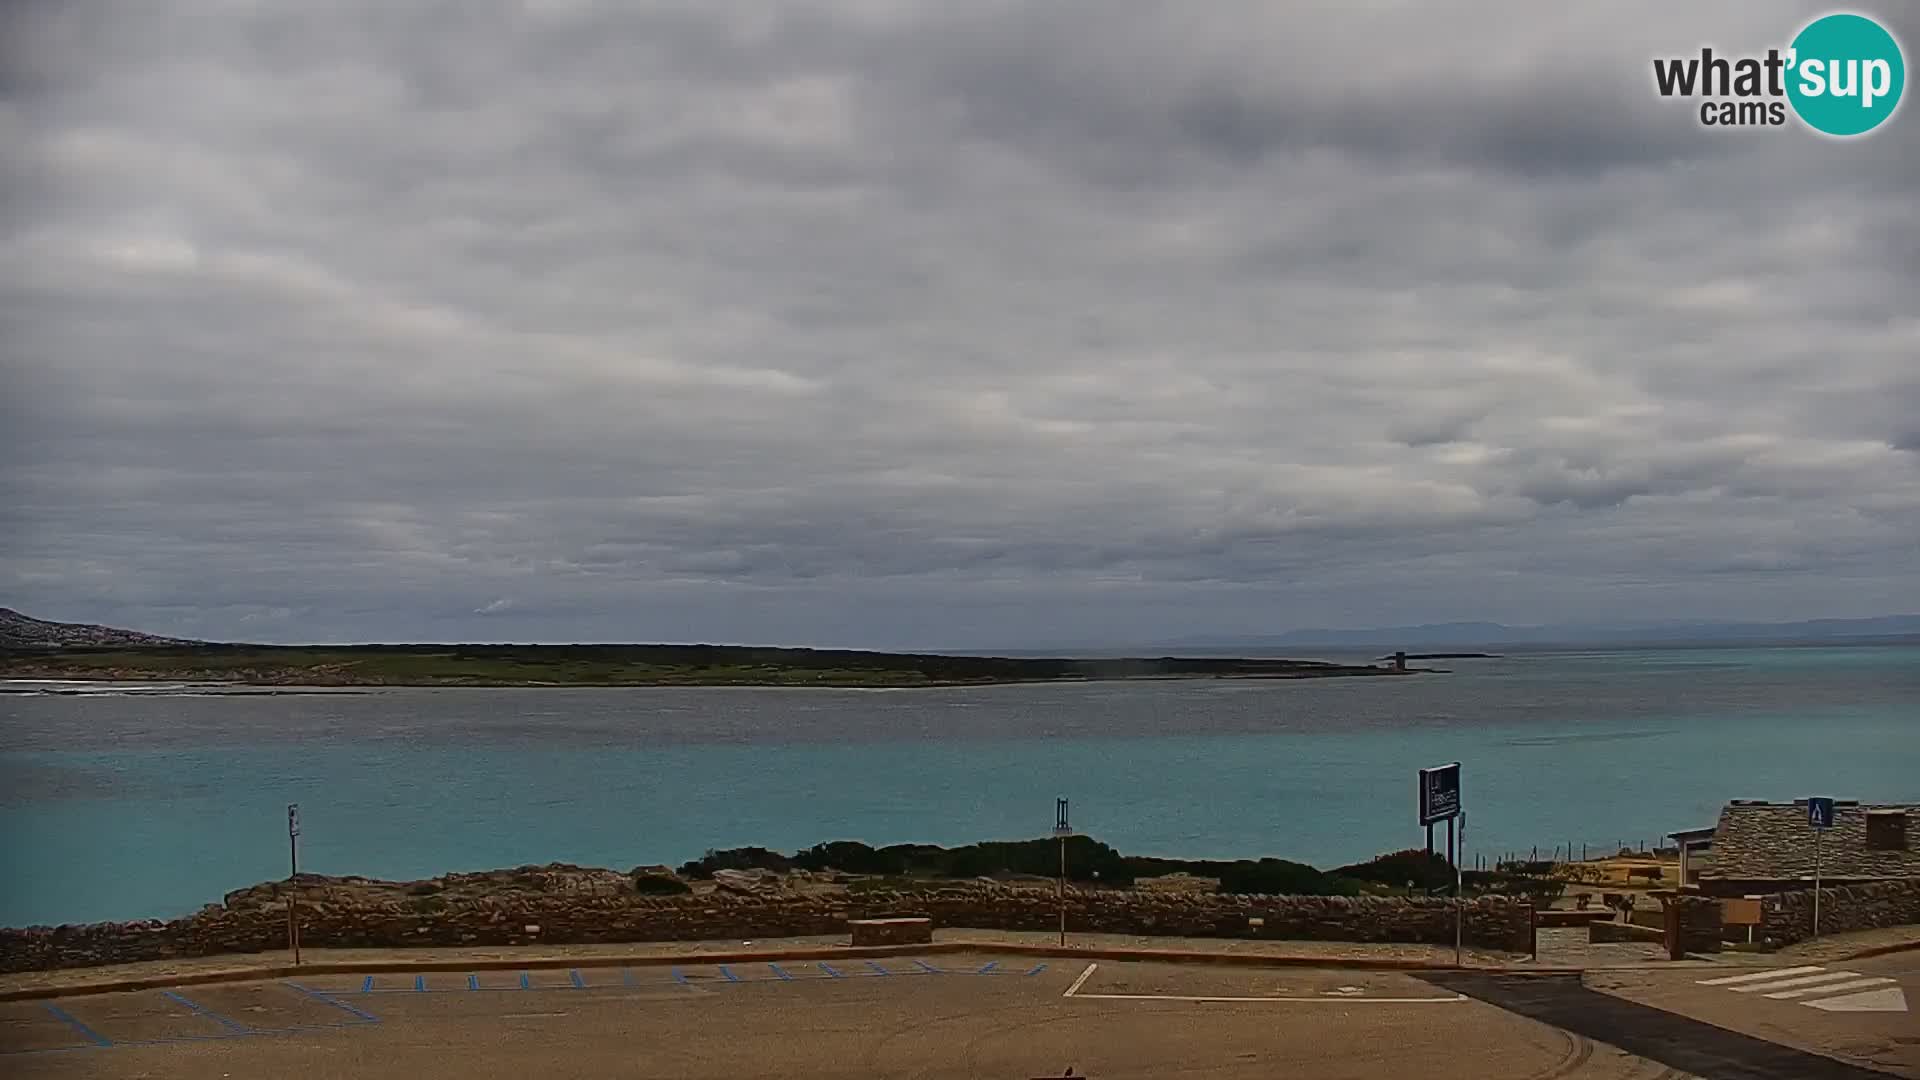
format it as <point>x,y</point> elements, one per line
<point>1763,847</point>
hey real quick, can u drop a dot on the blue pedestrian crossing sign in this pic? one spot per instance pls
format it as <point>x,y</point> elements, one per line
<point>1820,813</point>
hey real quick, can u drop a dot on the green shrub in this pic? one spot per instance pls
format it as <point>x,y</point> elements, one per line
<point>745,858</point>
<point>659,885</point>
<point>852,857</point>
<point>1425,871</point>
<point>1280,877</point>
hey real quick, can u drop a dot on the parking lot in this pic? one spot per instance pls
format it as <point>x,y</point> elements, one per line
<point>936,1017</point>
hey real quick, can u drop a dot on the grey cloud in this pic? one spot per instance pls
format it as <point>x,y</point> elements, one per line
<point>923,325</point>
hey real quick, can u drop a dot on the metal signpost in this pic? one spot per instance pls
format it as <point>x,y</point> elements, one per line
<point>1062,829</point>
<point>1820,817</point>
<point>1459,892</point>
<point>293,857</point>
<point>1440,801</point>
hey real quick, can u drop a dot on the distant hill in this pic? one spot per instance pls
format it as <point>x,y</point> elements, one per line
<point>19,631</point>
<point>1488,633</point>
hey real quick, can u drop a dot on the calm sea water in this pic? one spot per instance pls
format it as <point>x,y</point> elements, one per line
<point>118,807</point>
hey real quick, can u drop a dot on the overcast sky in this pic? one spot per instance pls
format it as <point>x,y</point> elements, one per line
<point>896,324</point>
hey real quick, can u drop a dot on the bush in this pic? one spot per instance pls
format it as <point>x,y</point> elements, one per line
<point>659,885</point>
<point>1399,867</point>
<point>852,857</point>
<point>1280,877</point>
<point>1580,873</point>
<point>745,858</point>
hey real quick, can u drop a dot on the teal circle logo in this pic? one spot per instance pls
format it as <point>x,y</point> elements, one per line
<point>1846,76</point>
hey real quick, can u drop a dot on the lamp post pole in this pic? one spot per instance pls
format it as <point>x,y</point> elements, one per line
<point>293,875</point>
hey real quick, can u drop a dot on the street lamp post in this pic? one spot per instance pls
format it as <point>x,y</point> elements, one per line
<point>293,876</point>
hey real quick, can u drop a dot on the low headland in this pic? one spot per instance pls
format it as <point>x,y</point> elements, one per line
<point>615,665</point>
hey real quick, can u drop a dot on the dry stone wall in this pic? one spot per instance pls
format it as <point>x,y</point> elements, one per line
<point>1788,917</point>
<point>255,921</point>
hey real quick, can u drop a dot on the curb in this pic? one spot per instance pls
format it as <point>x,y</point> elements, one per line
<point>1879,950</point>
<point>816,952</point>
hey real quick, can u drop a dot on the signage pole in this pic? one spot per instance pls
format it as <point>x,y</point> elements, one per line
<point>1429,850</point>
<point>1816,881</point>
<point>293,875</point>
<point>1459,896</point>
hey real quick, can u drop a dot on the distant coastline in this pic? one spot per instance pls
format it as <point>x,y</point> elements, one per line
<point>616,666</point>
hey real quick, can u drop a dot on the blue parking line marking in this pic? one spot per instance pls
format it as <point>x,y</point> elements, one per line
<point>526,981</point>
<point>626,976</point>
<point>579,983</point>
<point>367,987</point>
<point>86,1032</point>
<point>230,1025</point>
<point>329,999</point>
<point>928,968</point>
<point>679,977</point>
<point>420,984</point>
<point>1037,969</point>
<point>877,969</point>
<point>473,982</point>
<point>727,973</point>
<point>987,969</point>
<point>781,973</point>
<point>828,968</point>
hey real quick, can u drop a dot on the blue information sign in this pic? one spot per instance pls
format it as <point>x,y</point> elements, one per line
<point>1439,793</point>
<point>1820,813</point>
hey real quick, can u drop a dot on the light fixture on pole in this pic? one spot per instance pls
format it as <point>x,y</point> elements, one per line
<point>1062,828</point>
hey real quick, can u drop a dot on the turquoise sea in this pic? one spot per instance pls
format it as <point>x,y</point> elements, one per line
<point>130,805</point>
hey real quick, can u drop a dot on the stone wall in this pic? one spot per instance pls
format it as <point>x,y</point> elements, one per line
<point>252,923</point>
<point>1788,917</point>
<point>1695,924</point>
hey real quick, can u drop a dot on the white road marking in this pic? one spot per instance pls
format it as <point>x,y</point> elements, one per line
<point>1342,999</point>
<point>1081,981</point>
<point>1804,980</point>
<point>1888,1000</point>
<point>1343,996</point>
<point>1830,988</point>
<point>1777,973</point>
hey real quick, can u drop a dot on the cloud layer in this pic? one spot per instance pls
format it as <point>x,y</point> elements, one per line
<point>911,324</point>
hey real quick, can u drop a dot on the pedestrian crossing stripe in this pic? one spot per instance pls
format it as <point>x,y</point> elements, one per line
<point>1890,999</point>
<point>1858,993</point>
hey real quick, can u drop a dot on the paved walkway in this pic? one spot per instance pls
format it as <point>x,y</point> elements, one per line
<point>1839,945</point>
<point>1557,949</point>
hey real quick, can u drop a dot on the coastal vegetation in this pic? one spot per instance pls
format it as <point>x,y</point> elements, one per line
<point>613,665</point>
<point>1090,862</point>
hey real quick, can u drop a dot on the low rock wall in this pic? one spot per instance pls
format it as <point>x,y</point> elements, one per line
<point>1696,921</point>
<point>1493,922</point>
<point>1788,917</point>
